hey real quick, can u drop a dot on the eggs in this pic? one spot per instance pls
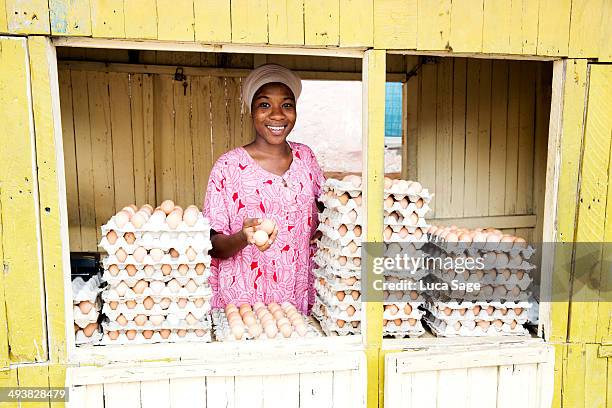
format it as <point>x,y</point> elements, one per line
<point>260,237</point>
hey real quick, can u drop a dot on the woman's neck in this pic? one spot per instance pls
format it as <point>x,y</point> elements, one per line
<point>264,148</point>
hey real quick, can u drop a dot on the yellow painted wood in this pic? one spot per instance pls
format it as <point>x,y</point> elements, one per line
<point>484,138</point>
<point>141,19</point>
<point>183,144</point>
<point>574,88</point>
<point>220,131</point>
<point>46,109</point>
<point>373,379</point>
<point>19,195</point>
<point>33,376</point>
<point>458,144</point>
<point>8,378</point>
<point>286,22</point>
<point>322,22</point>
<point>596,380</point>
<point>234,119</point>
<point>585,25</point>
<point>3,21</point>
<point>444,136</point>
<point>250,21</point>
<point>356,23</point>
<point>553,27</point>
<point>515,27</point>
<point>395,24</point>
<point>592,206</point>
<point>605,45</point>
<point>107,18</point>
<point>499,122</point>
<point>175,20</point>
<point>4,342</point>
<point>560,373</point>
<point>70,17</point>
<point>529,26</point>
<point>202,144</point>
<point>433,24</point>
<point>27,16</point>
<point>496,26</point>
<point>212,20</point>
<point>466,25</point>
<point>573,387</point>
<point>57,378</point>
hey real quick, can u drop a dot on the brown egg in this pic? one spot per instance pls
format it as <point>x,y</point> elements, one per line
<point>389,202</point>
<point>140,286</point>
<point>165,303</point>
<point>352,246</point>
<point>131,334</point>
<point>129,237</point>
<point>398,322</point>
<point>191,319</point>
<point>183,269</point>
<point>447,311</point>
<point>355,294</point>
<point>490,310</point>
<point>113,334</point>
<point>407,309</point>
<point>357,261</point>
<point>342,230</point>
<point>483,324</point>
<point>200,268</point>
<point>122,218</point>
<point>342,260</point>
<point>164,333</point>
<point>199,302</point>
<point>340,295</point>
<point>113,304</point>
<point>388,232</point>
<point>191,254</point>
<point>174,219</point>
<point>286,330</point>
<point>182,302</point>
<point>173,253</point>
<point>111,237</point>
<point>278,314</point>
<point>476,310</point>
<point>147,334</point>
<point>85,306</point>
<point>113,270</point>
<point>181,332</point>
<point>148,303</point>
<point>149,270</point>
<point>90,328</point>
<point>121,320</point>
<point>121,255</point>
<point>131,270</point>
<point>350,310</point>
<point>130,304</point>
<point>498,323</point>
<point>167,206</point>
<point>519,275</point>
<point>156,254</point>
<point>140,320</point>
<point>166,269</point>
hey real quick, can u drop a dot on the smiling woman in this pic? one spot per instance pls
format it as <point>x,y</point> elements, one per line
<point>269,186</point>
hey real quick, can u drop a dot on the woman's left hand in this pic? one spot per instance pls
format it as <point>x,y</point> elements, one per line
<point>271,240</point>
<point>318,234</point>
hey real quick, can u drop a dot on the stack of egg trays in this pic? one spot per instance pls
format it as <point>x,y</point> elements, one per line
<point>398,216</point>
<point>465,318</point>
<point>86,292</point>
<point>222,330</point>
<point>188,319</point>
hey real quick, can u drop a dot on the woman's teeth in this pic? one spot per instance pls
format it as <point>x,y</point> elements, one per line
<point>276,129</point>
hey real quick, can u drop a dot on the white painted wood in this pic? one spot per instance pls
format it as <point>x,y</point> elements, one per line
<point>77,397</point>
<point>424,388</point>
<point>394,383</point>
<point>220,392</point>
<point>122,395</point>
<point>430,341</point>
<point>343,390</point>
<point>186,392</point>
<point>507,387</point>
<point>155,394</point>
<point>546,380</point>
<point>248,391</point>
<point>482,387</point>
<point>281,391</point>
<point>452,387</point>
<point>472,55</point>
<point>94,397</point>
<point>529,383</point>
<point>316,390</point>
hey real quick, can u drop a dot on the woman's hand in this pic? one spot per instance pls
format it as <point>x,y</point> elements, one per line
<point>318,234</point>
<point>249,226</point>
<point>271,240</point>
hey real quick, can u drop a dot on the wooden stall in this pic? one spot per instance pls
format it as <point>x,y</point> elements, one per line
<point>506,120</point>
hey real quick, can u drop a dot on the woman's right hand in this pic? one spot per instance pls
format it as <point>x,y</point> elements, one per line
<point>249,226</point>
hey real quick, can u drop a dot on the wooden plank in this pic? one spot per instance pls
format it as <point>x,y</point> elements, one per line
<point>395,24</point>
<point>496,27</point>
<point>202,142</point>
<point>248,130</point>
<point>573,388</point>
<point>183,144</point>
<point>141,16</point>
<point>499,112</point>
<point>249,21</point>
<point>458,143</point>
<point>220,130</point>
<point>107,18</point>
<point>509,390</point>
<point>212,20</point>
<point>53,217</point>
<point>596,378</point>
<point>102,149</point>
<point>343,390</point>
<point>3,20</point>
<point>424,386</point>
<point>175,20</point>
<point>70,166</point>
<point>427,127</point>
<point>70,17</point>
<point>466,26</point>
<point>484,138</point>
<point>605,45</point>
<point>452,385</point>
<point>553,27</point>
<point>122,395</point>
<point>84,161</point>
<point>138,143</point>
<point>585,26</point>
<point>149,136</point>
<point>164,138</point>
<point>444,137</point>
<point>434,23</point>
<point>482,387</point>
<point>524,198</point>
<point>529,26</point>
<point>248,391</point>
<point>156,393</point>
<point>8,378</point>
<point>280,391</point>
<point>77,396</point>
<point>316,389</point>
<point>23,286</point>
<point>234,119</point>
<point>121,135</point>
<point>321,22</point>
<point>28,16</point>
<point>512,137</point>
<point>356,23</point>
<point>471,138</point>
<point>220,392</point>
<point>31,376</point>
<point>94,396</point>
<point>286,22</point>
<point>515,27</point>
<point>411,126</point>
<point>57,378</point>
<point>187,392</point>
<point>4,339</point>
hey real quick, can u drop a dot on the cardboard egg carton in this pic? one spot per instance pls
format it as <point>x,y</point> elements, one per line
<point>412,276</point>
<point>488,277</point>
<point>335,327</point>
<point>398,193</point>
<point>162,239</point>
<point>83,319</point>
<point>336,249</point>
<point>341,187</point>
<point>408,328</point>
<point>406,211</point>
<point>223,332</point>
<point>402,296</point>
<point>334,234</point>
<point>473,248</point>
<point>86,291</point>
<point>332,201</point>
<point>181,247</point>
<point>409,239</point>
<point>202,224</point>
<point>488,313</point>
<point>176,336</point>
<point>335,218</point>
<point>415,311</point>
<point>336,282</point>
<point>171,322</point>
<point>157,274</point>
<point>444,329</point>
<point>489,293</point>
<point>80,338</point>
<point>156,292</point>
<point>338,271</point>
<point>324,258</point>
<point>181,312</point>
<point>166,259</point>
<point>182,280</point>
<point>341,298</point>
<point>347,313</point>
<point>397,221</point>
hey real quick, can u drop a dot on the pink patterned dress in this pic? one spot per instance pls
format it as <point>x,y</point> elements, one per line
<point>239,188</point>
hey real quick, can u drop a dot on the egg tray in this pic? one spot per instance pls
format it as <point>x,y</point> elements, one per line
<point>201,225</point>
<point>396,223</point>
<point>112,294</point>
<point>334,234</point>
<point>337,312</point>
<point>336,282</point>
<point>182,280</point>
<point>173,309</point>
<point>405,212</point>
<point>405,329</point>
<point>488,264</point>
<point>488,293</point>
<point>336,250</point>
<point>487,278</point>
<point>394,296</point>
<point>81,339</point>
<point>203,323</point>
<point>157,274</point>
<point>331,328</point>
<point>162,239</point>
<point>180,246</point>
<point>415,313</point>
<point>148,260</point>
<point>474,249</point>
<point>468,315</point>
<point>330,297</point>
<point>223,333</point>
<point>337,270</point>
<point>324,259</point>
<point>341,186</point>
<point>335,203</point>
<point>405,275</point>
<point>338,218</point>
<point>86,291</point>
<point>83,319</point>
<point>409,239</point>
<point>441,329</point>
<point>189,337</point>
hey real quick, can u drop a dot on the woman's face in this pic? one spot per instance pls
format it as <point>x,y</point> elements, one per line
<point>273,112</point>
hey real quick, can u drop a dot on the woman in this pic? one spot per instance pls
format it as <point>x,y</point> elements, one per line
<point>269,178</point>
